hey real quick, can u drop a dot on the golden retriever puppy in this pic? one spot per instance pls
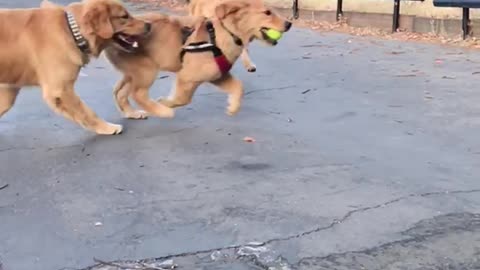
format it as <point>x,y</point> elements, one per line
<point>206,8</point>
<point>46,47</point>
<point>205,54</point>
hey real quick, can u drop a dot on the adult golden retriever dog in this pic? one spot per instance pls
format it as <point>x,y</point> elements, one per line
<point>203,54</point>
<point>197,49</point>
<point>46,47</point>
<point>206,8</point>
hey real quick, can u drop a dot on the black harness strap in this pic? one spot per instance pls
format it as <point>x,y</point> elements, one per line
<point>221,60</point>
<point>196,47</point>
<point>205,46</point>
<point>211,32</point>
<point>236,39</point>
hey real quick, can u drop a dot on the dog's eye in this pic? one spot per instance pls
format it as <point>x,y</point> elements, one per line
<point>267,12</point>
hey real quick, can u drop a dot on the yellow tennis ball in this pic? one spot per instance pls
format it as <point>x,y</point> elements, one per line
<point>273,34</point>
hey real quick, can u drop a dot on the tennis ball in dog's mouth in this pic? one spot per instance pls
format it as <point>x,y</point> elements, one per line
<point>273,34</point>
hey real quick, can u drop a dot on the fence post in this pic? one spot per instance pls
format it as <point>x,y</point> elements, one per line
<point>339,9</point>
<point>396,15</point>
<point>466,22</point>
<point>295,9</point>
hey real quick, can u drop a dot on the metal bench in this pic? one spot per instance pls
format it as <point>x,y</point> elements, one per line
<point>466,5</point>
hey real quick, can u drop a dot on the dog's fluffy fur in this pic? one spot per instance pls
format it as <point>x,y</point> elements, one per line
<point>206,8</point>
<point>161,50</point>
<point>39,50</point>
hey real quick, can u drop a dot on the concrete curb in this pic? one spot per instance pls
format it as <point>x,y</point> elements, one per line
<point>410,23</point>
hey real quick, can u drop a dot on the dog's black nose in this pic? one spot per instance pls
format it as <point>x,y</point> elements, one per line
<point>288,25</point>
<point>148,27</point>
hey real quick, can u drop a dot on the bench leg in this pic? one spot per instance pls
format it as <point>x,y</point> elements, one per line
<point>466,22</point>
<point>396,16</point>
<point>339,9</point>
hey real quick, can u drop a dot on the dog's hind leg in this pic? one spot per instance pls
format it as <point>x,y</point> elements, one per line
<point>8,95</point>
<point>181,94</point>
<point>139,93</point>
<point>234,88</point>
<point>121,92</point>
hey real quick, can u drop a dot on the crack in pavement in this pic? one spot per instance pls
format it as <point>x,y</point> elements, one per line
<point>309,232</point>
<point>48,149</point>
<point>268,89</point>
<point>175,131</point>
<point>429,229</point>
<point>246,93</point>
<point>364,209</point>
<point>16,148</point>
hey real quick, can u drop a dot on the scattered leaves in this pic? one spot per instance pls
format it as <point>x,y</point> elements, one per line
<point>341,26</point>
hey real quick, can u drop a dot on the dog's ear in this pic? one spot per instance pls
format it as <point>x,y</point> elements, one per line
<point>97,19</point>
<point>227,8</point>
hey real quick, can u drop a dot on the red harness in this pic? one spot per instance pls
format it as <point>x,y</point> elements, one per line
<point>220,59</point>
<point>223,64</point>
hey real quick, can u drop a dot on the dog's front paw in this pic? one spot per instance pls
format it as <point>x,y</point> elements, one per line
<point>251,68</point>
<point>233,109</point>
<point>137,115</point>
<point>110,129</point>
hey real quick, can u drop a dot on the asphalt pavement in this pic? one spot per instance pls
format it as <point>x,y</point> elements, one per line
<point>366,156</point>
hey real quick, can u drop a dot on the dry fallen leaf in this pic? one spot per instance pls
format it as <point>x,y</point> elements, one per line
<point>249,139</point>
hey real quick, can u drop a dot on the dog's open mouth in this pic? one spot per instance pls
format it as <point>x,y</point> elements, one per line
<point>267,38</point>
<point>127,42</point>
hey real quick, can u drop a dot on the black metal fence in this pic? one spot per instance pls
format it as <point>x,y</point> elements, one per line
<point>339,12</point>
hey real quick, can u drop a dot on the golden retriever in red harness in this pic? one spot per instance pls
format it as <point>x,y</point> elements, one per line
<point>196,49</point>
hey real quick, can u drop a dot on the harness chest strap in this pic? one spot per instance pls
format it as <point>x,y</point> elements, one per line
<point>222,62</point>
<point>220,59</point>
